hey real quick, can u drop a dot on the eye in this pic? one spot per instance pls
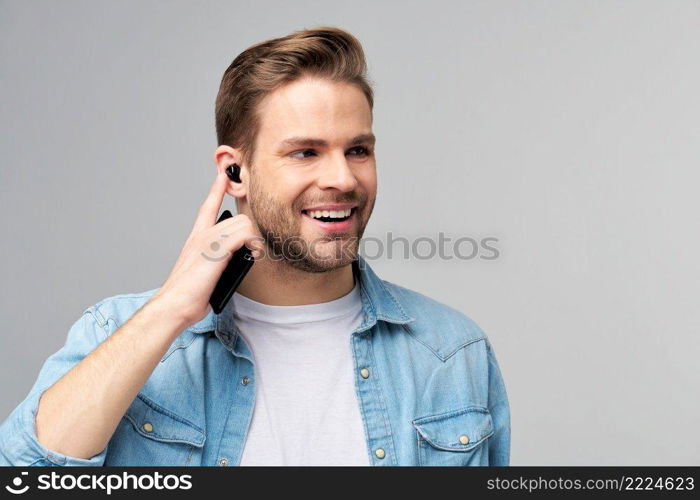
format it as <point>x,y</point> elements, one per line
<point>301,151</point>
<point>363,151</point>
<point>360,151</point>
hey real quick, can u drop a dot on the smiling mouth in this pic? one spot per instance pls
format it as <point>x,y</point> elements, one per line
<point>330,215</point>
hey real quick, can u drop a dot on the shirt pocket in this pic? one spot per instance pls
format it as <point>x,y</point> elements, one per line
<point>149,434</point>
<point>454,438</point>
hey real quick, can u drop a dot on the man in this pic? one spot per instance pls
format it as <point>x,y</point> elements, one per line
<point>315,360</point>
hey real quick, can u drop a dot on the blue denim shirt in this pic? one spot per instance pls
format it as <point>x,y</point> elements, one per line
<point>432,392</point>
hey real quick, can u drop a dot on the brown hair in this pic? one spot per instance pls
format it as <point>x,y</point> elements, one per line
<point>325,52</point>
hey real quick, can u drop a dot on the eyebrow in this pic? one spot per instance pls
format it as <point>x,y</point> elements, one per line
<point>293,142</point>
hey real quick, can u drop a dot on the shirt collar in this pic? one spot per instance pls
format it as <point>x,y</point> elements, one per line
<point>379,302</point>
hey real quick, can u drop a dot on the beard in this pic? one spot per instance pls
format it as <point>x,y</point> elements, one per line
<point>280,227</point>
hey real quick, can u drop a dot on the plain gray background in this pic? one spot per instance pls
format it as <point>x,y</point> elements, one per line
<point>569,130</point>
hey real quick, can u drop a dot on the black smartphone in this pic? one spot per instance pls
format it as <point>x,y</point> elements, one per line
<point>239,265</point>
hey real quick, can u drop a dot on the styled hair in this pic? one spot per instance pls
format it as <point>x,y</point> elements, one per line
<point>325,52</point>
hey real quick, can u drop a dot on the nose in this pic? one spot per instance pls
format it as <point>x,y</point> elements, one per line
<point>337,174</point>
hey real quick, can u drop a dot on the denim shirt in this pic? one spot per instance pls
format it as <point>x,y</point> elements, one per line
<point>428,386</point>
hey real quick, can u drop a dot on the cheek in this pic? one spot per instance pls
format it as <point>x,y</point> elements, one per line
<point>367,178</point>
<point>288,189</point>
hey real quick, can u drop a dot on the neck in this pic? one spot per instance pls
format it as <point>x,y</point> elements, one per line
<point>275,283</point>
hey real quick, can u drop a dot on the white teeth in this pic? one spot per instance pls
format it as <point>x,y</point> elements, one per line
<point>336,214</point>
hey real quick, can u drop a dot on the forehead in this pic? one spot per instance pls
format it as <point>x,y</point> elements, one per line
<point>314,107</point>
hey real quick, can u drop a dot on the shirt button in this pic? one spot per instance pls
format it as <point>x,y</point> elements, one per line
<point>364,372</point>
<point>464,439</point>
<point>223,462</point>
<point>245,380</point>
<point>379,452</point>
<point>148,427</point>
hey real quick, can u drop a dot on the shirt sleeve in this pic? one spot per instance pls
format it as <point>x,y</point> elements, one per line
<point>499,443</point>
<point>18,441</point>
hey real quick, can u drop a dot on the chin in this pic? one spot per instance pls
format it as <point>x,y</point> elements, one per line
<point>322,263</point>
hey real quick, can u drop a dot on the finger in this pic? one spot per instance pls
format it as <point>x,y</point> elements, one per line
<point>227,226</point>
<point>257,245</point>
<point>237,235</point>
<point>209,210</point>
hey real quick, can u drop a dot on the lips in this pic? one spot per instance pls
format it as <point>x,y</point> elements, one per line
<point>336,226</point>
<point>331,206</point>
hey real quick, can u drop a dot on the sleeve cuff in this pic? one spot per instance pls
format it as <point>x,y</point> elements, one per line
<point>20,446</point>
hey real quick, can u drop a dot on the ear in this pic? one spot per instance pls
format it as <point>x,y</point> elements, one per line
<point>225,156</point>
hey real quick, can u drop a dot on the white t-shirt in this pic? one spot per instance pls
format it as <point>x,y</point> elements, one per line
<point>306,409</point>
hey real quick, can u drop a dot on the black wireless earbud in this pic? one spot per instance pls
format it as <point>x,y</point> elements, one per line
<point>234,172</point>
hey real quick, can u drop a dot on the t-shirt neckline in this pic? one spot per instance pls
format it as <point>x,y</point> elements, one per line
<point>248,308</point>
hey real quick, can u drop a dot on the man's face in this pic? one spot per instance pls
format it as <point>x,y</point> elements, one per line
<point>337,172</point>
